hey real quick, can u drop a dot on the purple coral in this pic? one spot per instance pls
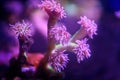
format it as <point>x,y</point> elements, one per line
<point>22,29</point>
<point>60,34</point>
<point>58,60</point>
<point>88,25</point>
<point>82,50</point>
<point>53,7</point>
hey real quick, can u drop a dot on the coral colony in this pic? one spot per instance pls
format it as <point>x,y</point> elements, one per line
<point>59,40</point>
<point>62,40</point>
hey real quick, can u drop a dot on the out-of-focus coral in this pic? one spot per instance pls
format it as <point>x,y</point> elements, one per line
<point>34,58</point>
<point>22,29</point>
<point>117,14</point>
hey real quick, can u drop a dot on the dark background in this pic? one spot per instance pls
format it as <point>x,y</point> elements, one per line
<point>104,64</point>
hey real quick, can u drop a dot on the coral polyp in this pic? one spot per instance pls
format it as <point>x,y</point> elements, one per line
<point>22,29</point>
<point>53,7</point>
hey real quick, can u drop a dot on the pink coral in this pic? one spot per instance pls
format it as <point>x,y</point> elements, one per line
<point>53,7</point>
<point>21,29</point>
<point>82,50</point>
<point>58,60</point>
<point>88,25</point>
<point>60,34</point>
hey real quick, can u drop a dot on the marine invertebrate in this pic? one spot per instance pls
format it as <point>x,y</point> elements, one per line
<point>58,60</point>
<point>82,50</point>
<point>60,34</point>
<point>21,29</point>
<point>76,43</point>
<point>53,7</point>
<point>88,25</point>
<point>59,40</point>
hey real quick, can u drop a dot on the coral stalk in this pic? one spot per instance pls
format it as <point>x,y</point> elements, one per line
<point>80,34</point>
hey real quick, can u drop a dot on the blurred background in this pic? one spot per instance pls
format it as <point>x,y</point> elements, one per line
<point>104,64</point>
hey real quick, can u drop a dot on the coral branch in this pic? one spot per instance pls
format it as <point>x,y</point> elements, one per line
<point>68,47</point>
<point>89,25</point>
<point>51,41</point>
<point>80,34</point>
